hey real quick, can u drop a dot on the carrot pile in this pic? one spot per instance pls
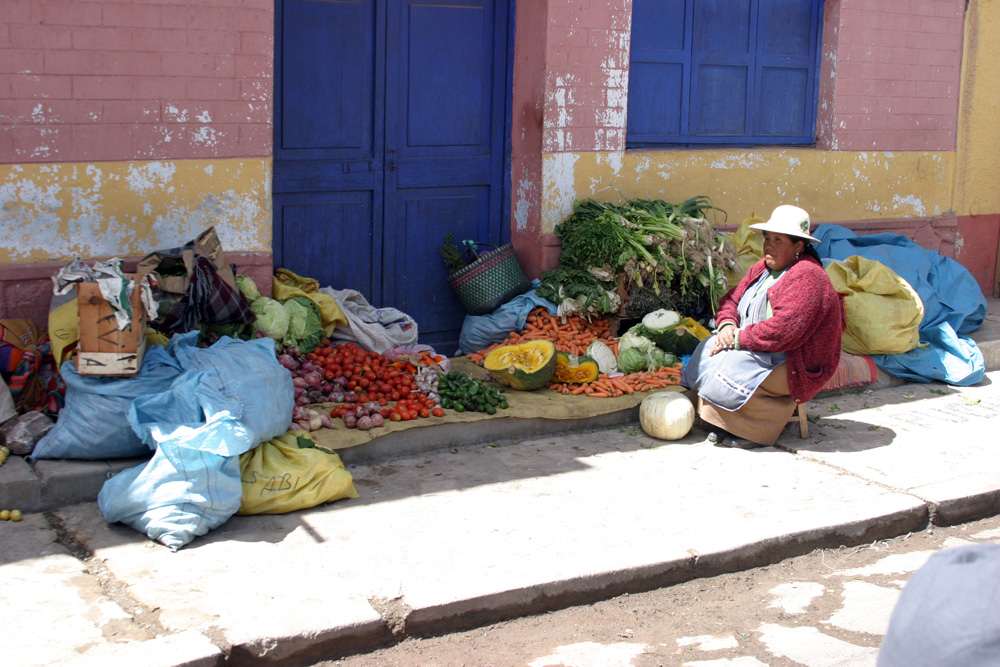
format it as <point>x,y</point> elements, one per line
<point>607,387</point>
<point>572,336</point>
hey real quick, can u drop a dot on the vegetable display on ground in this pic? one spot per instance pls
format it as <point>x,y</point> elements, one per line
<point>592,342</point>
<point>524,366</point>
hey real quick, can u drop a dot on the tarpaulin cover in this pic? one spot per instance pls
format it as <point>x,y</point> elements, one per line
<point>954,305</point>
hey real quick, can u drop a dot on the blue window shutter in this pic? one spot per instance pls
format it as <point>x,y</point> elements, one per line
<point>722,68</point>
<point>719,72</point>
<point>786,69</point>
<point>660,70</point>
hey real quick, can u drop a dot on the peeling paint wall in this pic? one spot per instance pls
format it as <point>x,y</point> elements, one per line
<point>56,212</point>
<point>832,185</point>
<point>125,127</point>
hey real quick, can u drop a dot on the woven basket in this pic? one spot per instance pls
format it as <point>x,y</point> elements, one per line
<point>490,281</point>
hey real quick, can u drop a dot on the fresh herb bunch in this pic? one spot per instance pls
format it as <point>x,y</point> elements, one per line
<point>452,254</point>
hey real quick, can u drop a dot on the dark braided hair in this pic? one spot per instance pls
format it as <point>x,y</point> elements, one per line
<point>808,249</point>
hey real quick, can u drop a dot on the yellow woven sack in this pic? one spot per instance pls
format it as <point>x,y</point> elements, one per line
<point>285,284</point>
<point>883,311</point>
<point>749,247</point>
<point>290,473</point>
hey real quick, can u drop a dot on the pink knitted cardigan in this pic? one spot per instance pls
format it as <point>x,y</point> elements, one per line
<point>807,323</point>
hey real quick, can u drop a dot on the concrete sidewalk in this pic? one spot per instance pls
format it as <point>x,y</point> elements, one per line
<point>457,537</point>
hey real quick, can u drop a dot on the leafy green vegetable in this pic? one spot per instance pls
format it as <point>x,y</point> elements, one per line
<point>567,282</point>
<point>632,360</point>
<point>452,254</point>
<point>272,318</point>
<point>305,324</point>
<point>247,286</point>
<point>633,338</point>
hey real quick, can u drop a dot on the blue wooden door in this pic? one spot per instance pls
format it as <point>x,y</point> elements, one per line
<point>389,133</point>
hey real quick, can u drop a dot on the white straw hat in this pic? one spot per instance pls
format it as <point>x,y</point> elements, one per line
<point>786,219</point>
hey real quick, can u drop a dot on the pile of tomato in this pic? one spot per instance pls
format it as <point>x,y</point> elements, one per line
<point>375,379</point>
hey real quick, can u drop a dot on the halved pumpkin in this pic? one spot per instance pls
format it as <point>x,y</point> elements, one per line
<point>575,369</point>
<point>526,366</point>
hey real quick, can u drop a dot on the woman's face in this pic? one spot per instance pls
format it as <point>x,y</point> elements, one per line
<point>780,250</point>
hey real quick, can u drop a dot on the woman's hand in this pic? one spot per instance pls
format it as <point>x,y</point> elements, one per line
<point>724,340</point>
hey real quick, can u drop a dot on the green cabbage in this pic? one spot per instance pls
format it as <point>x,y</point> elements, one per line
<point>272,318</point>
<point>655,358</point>
<point>247,286</point>
<point>632,339</point>
<point>632,360</point>
<point>305,324</point>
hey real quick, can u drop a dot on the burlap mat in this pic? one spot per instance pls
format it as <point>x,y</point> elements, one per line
<point>543,403</point>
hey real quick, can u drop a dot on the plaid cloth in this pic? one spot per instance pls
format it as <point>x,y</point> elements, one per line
<point>35,384</point>
<point>208,300</point>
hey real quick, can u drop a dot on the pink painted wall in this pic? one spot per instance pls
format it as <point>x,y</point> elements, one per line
<point>87,81</point>
<point>586,79</point>
<point>526,133</point>
<point>570,92</point>
<point>890,75</point>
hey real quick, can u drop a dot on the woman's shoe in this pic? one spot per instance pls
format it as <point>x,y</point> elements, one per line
<point>725,439</point>
<point>741,443</point>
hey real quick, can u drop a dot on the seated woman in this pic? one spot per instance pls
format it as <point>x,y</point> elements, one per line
<point>777,339</point>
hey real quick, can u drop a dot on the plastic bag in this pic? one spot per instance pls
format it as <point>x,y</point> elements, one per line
<point>7,409</point>
<point>290,473</point>
<point>481,331</point>
<point>419,355</point>
<point>374,329</point>
<point>93,422</point>
<point>285,284</point>
<point>749,245</point>
<point>231,397</point>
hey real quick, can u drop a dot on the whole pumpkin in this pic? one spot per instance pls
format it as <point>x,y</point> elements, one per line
<point>666,415</point>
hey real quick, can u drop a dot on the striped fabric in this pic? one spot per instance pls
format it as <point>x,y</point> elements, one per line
<point>35,383</point>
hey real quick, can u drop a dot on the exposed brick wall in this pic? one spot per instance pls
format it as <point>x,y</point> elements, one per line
<point>586,83</point>
<point>890,75</point>
<point>100,80</point>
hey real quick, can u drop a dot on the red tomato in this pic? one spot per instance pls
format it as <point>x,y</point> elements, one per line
<point>395,416</point>
<point>424,412</point>
<point>437,412</point>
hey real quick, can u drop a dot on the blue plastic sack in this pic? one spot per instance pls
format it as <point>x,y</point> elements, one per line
<point>93,424</point>
<point>230,398</point>
<point>481,331</point>
<point>954,304</point>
